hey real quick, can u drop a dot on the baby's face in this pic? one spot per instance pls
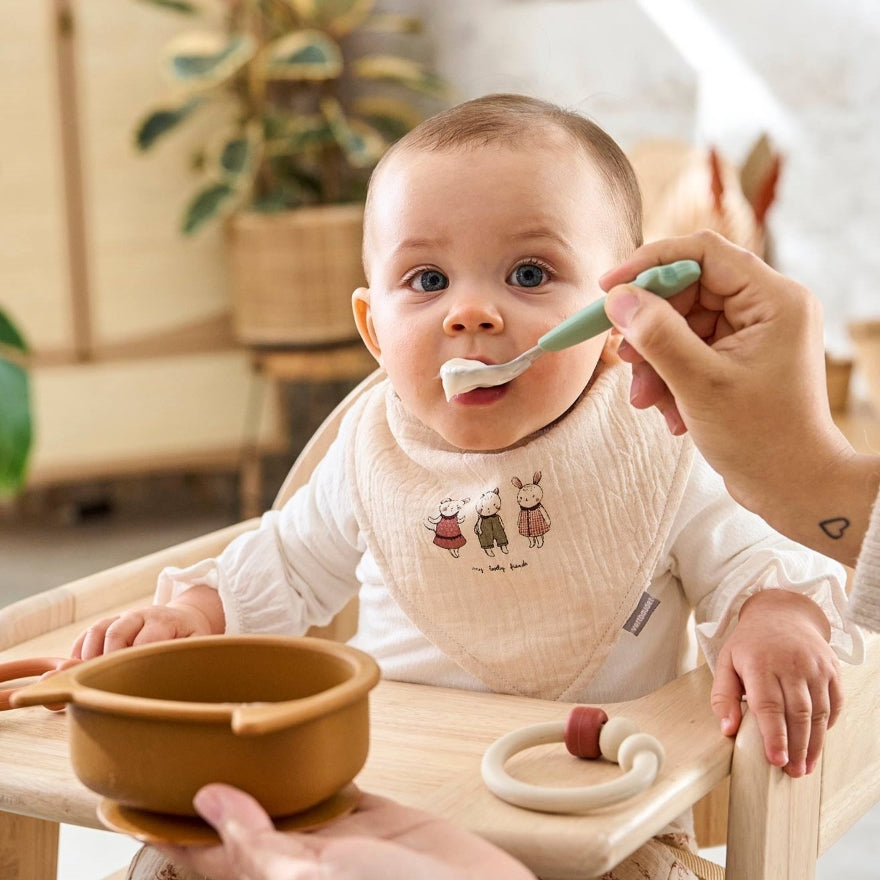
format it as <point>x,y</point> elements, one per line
<point>476,254</point>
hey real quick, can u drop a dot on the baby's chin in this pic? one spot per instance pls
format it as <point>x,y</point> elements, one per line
<point>485,437</point>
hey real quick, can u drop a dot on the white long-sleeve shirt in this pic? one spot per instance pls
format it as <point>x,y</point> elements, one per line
<point>306,561</point>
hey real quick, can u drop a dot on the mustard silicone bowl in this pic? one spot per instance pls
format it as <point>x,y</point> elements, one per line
<point>286,719</point>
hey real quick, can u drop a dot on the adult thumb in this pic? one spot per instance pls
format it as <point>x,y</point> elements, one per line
<point>229,809</point>
<point>659,333</point>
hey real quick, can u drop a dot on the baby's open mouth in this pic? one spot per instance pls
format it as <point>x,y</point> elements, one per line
<point>461,375</point>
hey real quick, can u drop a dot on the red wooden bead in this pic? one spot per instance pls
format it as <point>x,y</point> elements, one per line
<point>582,731</point>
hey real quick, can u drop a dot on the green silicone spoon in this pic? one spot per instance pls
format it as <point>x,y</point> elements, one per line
<point>460,375</point>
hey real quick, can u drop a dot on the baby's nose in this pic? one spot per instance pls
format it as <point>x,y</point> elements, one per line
<point>471,314</point>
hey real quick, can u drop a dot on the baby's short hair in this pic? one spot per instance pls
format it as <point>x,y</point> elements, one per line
<point>502,118</point>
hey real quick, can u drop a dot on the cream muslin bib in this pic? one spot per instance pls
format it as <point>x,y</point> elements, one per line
<point>520,565</point>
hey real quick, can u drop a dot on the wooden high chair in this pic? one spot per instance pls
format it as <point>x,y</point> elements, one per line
<point>776,827</point>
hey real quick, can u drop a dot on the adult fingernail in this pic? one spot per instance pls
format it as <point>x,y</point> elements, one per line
<point>621,308</point>
<point>635,388</point>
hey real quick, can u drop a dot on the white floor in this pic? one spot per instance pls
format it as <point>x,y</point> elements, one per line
<point>86,854</point>
<point>36,556</point>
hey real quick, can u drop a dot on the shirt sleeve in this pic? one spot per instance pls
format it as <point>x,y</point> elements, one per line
<point>296,570</point>
<point>865,600</point>
<point>722,554</point>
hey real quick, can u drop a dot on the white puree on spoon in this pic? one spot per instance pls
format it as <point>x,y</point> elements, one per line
<point>460,375</point>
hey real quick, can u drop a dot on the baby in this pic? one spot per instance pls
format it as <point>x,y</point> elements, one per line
<point>484,228</point>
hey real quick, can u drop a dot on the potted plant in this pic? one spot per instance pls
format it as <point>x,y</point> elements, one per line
<point>15,408</point>
<point>307,115</point>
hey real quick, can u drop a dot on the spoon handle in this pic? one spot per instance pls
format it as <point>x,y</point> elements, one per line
<point>665,281</point>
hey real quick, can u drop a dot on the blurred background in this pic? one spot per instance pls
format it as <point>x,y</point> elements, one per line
<point>181,187</point>
<point>163,164</point>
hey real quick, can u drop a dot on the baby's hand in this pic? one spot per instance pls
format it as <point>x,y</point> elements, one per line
<point>779,659</point>
<point>196,612</point>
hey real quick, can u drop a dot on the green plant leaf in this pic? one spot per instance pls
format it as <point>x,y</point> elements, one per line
<point>207,204</point>
<point>183,6</point>
<point>206,59</point>
<point>234,155</point>
<point>296,183</point>
<point>303,55</point>
<point>10,335</point>
<point>293,135</point>
<point>16,434</point>
<point>363,146</point>
<point>404,71</point>
<point>162,120</point>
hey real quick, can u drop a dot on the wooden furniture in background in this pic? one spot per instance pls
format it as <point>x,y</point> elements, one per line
<point>135,368</point>
<point>342,362</point>
<point>860,424</point>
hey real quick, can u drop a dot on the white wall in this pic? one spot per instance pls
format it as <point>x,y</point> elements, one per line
<point>711,71</point>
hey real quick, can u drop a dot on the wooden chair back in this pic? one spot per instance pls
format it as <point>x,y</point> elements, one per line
<point>344,624</point>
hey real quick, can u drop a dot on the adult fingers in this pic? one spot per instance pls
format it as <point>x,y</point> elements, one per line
<point>726,268</point>
<point>647,389</point>
<point>253,848</point>
<point>660,335</point>
<point>219,804</point>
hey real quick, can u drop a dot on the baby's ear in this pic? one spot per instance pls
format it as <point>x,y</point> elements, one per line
<point>609,354</point>
<point>363,319</point>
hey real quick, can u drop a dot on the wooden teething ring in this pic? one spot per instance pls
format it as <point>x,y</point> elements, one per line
<point>42,666</point>
<point>587,733</point>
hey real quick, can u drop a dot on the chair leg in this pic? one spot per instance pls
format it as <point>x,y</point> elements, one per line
<point>28,848</point>
<point>773,825</point>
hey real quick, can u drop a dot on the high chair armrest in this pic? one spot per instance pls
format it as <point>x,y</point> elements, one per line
<point>54,612</point>
<point>779,826</point>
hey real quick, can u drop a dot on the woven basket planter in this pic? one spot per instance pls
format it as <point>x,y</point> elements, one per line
<point>866,342</point>
<point>293,274</point>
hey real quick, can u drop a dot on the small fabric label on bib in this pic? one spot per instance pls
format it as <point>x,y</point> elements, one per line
<point>643,611</point>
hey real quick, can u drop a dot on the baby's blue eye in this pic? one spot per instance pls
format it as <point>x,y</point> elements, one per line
<point>430,281</point>
<point>528,275</point>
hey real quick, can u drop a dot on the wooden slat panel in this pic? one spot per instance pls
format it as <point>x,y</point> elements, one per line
<point>133,415</point>
<point>145,278</point>
<point>33,251</point>
<point>28,848</point>
<point>851,763</point>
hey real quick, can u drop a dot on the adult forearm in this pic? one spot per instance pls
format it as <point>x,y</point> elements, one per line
<point>829,509</point>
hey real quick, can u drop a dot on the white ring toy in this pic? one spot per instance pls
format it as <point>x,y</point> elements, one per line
<point>639,754</point>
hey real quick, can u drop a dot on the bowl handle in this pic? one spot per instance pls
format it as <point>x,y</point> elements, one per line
<point>54,688</point>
